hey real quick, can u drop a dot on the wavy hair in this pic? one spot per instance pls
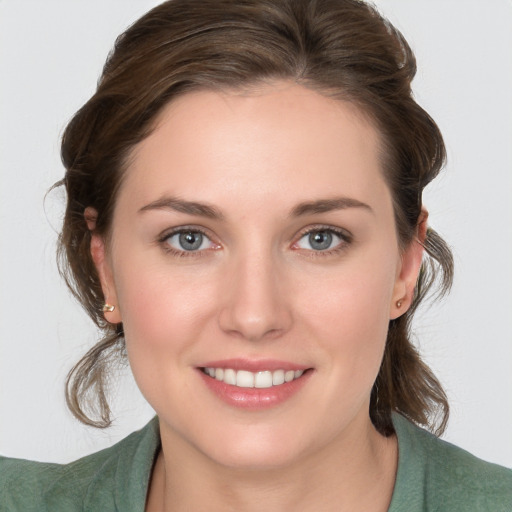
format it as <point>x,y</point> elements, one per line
<point>341,48</point>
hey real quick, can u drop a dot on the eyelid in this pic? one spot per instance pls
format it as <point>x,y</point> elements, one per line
<point>165,235</point>
<point>343,234</point>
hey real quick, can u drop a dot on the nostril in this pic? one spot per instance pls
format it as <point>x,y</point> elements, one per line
<point>268,325</point>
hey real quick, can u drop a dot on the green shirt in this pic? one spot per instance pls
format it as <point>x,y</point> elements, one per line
<point>433,476</point>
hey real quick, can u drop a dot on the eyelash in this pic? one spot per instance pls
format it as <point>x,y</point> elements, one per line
<point>341,247</point>
<point>344,235</point>
<point>163,241</point>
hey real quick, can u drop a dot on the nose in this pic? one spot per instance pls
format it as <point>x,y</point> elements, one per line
<point>255,305</point>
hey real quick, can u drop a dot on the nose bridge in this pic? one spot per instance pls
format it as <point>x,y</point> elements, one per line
<point>255,305</point>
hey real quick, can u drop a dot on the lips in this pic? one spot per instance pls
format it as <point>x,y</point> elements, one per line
<point>254,384</point>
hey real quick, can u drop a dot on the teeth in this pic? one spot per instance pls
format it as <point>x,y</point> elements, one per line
<point>245,379</point>
<point>263,380</point>
<point>230,377</point>
<point>278,377</point>
<point>289,376</point>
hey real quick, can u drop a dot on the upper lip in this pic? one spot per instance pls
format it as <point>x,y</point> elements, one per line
<point>254,365</point>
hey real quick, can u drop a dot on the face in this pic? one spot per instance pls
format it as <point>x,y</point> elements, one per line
<point>255,266</point>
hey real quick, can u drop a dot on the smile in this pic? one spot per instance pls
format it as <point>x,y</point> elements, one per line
<point>247,379</point>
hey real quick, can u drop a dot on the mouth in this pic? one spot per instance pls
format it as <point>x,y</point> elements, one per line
<point>254,385</point>
<point>247,379</point>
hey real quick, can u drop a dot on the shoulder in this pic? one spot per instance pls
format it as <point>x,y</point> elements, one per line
<point>85,484</point>
<point>22,482</point>
<point>449,477</point>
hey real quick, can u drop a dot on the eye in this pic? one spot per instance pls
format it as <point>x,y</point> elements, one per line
<point>324,239</point>
<point>187,240</point>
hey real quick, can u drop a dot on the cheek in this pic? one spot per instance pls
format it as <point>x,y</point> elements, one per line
<point>163,311</point>
<point>165,316</point>
<point>351,313</point>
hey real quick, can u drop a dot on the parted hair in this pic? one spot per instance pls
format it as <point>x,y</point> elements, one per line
<point>341,48</point>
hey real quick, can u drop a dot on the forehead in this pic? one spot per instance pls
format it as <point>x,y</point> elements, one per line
<point>281,140</point>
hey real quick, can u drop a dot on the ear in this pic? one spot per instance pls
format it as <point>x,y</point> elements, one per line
<point>408,270</point>
<point>103,267</point>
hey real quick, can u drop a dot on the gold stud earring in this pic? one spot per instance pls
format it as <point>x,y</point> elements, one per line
<point>398,303</point>
<point>108,308</point>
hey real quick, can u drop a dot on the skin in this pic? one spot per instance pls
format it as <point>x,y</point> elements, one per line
<point>257,289</point>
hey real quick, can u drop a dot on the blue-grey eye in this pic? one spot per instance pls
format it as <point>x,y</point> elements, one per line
<point>189,241</point>
<point>319,240</point>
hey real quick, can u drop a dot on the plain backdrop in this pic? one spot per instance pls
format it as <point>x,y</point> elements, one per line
<point>51,54</point>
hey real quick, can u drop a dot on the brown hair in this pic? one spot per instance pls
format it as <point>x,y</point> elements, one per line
<point>341,48</point>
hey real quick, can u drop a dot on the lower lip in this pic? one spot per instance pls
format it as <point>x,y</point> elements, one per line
<point>255,398</point>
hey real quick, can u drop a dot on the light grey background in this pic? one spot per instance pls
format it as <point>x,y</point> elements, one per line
<point>51,54</point>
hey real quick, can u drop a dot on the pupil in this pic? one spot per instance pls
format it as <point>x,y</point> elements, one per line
<point>191,241</point>
<point>320,240</point>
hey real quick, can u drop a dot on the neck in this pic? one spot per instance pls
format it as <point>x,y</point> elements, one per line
<point>355,472</point>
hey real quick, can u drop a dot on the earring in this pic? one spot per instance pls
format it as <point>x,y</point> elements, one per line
<point>108,308</point>
<point>398,303</point>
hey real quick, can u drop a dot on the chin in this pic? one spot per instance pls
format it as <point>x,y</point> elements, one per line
<point>256,449</point>
<point>262,458</point>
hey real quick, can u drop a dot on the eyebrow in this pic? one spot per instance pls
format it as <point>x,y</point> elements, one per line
<point>188,207</point>
<point>210,212</point>
<point>327,205</point>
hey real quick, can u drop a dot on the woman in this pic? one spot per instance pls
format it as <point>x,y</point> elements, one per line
<point>245,220</point>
